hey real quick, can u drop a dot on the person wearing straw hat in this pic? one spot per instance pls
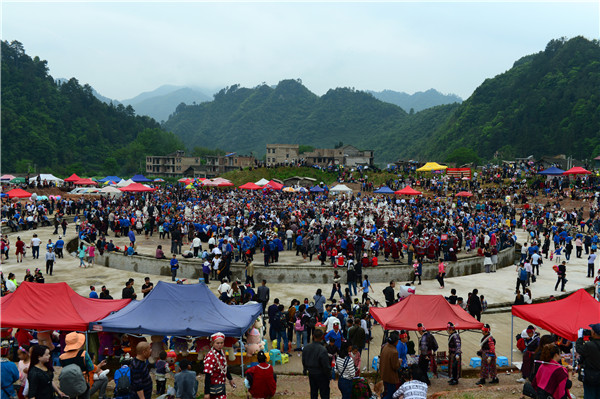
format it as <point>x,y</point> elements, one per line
<point>215,369</point>
<point>75,353</point>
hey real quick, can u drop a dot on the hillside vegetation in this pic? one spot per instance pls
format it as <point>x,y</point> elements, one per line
<point>547,103</point>
<point>64,128</point>
<point>246,119</point>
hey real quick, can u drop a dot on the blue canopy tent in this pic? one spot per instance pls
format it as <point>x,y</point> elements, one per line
<point>316,189</point>
<point>185,310</point>
<point>384,190</point>
<point>110,178</point>
<point>140,179</point>
<point>552,171</point>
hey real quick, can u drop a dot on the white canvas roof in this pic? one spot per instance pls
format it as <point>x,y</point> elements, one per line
<point>47,177</point>
<point>125,183</point>
<point>341,188</point>
<point>261,182</point>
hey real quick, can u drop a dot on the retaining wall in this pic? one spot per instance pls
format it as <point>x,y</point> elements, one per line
<point>303,274</point>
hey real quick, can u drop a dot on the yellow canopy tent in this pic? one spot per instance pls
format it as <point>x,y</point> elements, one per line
<point>430,166</point>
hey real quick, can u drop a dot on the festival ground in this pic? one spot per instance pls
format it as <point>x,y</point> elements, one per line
<point>496,287</point>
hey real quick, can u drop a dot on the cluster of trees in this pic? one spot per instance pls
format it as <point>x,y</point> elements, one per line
<point>62,127</point>
<point>245,119</point>
<point>548,103</point>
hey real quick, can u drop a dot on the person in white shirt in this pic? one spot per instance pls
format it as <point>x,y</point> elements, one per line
<point>413,388</point>
<point>211,242</point>
<point>224,290</point>
<point>331,320</point>
<point>35,246</point>
<point>196,245</point>
<point>535,262</point>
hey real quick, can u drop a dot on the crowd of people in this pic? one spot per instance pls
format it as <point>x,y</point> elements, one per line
<point>350,232</point>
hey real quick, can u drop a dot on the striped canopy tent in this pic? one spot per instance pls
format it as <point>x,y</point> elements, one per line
<point>7,177</point>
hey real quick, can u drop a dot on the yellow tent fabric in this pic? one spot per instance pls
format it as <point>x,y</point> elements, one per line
<point>429,166</point>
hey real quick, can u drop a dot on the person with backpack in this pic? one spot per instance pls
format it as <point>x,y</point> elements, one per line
<point>122,378</point>
<point>521,277</point>
<point>301,328</point>
<point>351,275</point>
<point>76,364</point>
<point>282,330</point>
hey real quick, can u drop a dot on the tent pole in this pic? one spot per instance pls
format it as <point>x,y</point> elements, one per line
<point>512,322</point>
<point>87,343</point>
<point>242,356</point>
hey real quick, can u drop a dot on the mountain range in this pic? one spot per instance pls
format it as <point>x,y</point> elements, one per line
<point>418,101</point>
<point>547,103</point>
<point>161,102</point>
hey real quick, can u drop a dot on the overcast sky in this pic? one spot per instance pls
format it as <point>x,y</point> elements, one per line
<point>123,49</point>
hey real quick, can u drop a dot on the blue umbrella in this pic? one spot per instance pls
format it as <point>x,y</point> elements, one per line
<point>552,171</point>
<point>316,189</point>
<point>384,190</point>
<point>110,178</point>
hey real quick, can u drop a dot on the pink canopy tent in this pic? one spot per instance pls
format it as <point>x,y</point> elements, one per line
<point>136,188</point>
<point>464,194</point>
<point>408,191</point>
<point>273,185</point>
<point>250,186</point>
<point>85,182</point>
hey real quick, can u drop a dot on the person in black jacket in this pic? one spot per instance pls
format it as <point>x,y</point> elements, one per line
<point>474,305</point>
<point>588,346</point>
<point>315,361</point>
<point>388,292</point>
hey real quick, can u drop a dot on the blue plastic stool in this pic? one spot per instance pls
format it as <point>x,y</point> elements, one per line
<point>475,362</point>
<point>275,356</point>
<point>375,363</point>
<point>501,361</point>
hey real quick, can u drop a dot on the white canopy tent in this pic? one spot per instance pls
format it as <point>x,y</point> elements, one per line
<point>47,177</point>
<point>111,191</point>
<point>125,183</point>
<point>261,182</point>
<point>340,188</point>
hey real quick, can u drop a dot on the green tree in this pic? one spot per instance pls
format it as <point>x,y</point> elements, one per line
<point>462,156</point>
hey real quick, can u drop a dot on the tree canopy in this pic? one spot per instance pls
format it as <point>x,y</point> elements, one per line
<point>62,127</point>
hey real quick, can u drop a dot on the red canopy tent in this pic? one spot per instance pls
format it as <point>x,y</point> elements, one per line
<point>85,182</point>
<point>73,178</point>
<point>433,311</point>
<point>53,307</point>
<point>273,185</point>
<point>564,317</point>
<point>408,191</point>
<point>136,188</point>
<point>577,170</point>
<point>250,186</point>
<point>464,194</point>
<point>186,180</point>
<point>18,193</point>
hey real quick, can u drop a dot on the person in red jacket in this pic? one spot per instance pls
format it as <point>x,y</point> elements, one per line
<point>264,381</point>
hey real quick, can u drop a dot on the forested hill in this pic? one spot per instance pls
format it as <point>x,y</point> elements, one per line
<point>63,128</point>
<point>246,119</point>
<point>547,103</point>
